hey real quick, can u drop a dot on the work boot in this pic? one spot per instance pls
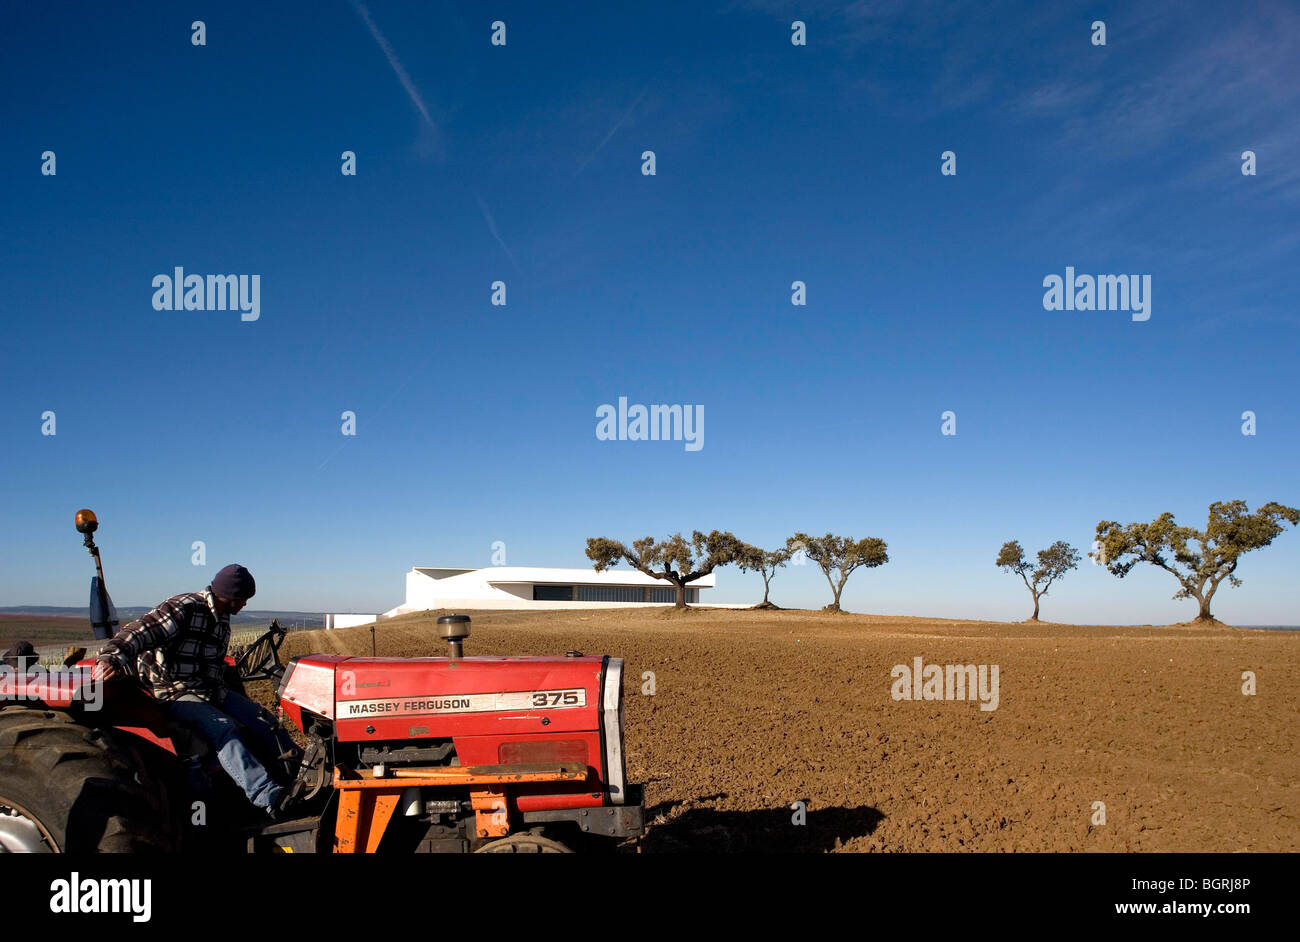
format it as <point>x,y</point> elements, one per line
<point>285,807</point>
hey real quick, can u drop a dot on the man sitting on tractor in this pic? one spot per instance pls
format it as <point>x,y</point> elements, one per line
<point>179,651</point>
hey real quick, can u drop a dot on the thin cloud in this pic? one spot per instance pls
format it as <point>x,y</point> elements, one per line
<point>405,79</point>
<point>492,228</point>
<point>612,131</point>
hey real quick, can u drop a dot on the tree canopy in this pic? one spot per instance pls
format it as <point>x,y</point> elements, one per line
<point>765,562</point>
<point>1231,531</point>
<point>842,553</point>
<point>1053,563</point>
<point>675,559</point>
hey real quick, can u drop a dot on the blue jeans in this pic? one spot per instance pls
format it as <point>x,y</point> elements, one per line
<point>216,725</point>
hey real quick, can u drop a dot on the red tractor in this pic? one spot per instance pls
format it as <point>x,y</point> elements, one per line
<point>427,754</point>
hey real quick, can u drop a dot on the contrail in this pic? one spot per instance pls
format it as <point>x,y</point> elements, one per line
<point>384,405</point>
<point>617,124</point>
<point>395,63</point>
<point>492,227</point>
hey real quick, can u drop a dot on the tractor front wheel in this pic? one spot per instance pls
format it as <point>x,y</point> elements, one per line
<point>68,788</point>
<point>523,844</point>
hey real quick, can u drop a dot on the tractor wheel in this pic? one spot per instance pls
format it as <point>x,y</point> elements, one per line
<point>523,844</point>
<point>69,788</point>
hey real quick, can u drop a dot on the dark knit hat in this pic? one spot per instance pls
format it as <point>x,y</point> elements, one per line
<point>234,582</point>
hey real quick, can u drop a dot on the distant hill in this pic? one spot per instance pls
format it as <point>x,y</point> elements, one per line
<point>125,613</point>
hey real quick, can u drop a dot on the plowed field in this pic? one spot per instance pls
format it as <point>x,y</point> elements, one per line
<point>752,712</point>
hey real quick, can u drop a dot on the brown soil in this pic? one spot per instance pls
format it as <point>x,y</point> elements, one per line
<point>755,710</point>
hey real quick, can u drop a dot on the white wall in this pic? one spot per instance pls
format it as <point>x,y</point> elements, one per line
<point>348,620</point>
<point>511,587</point>
<point>520,604</point>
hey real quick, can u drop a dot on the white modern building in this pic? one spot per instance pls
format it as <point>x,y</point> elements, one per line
<point>505,587</point>
<point>347,619</point>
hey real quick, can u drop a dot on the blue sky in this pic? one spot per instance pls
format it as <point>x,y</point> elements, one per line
<point>522,163</point>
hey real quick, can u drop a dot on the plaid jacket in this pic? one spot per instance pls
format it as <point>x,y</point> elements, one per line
<point>178,648</point>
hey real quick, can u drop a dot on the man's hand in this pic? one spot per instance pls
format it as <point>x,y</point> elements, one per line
<point>104,670</point>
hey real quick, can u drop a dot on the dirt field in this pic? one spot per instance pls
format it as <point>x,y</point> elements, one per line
<point>754,711</point>
<point>43,629</point>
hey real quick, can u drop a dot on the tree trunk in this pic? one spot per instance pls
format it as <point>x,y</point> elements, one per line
<point>1034,617</point>
<point>766,580</point>
<point>1203,593</point>
<point>835,606</point>
<point>681,594</point>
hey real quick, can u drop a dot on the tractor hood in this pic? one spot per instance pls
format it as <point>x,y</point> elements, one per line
<point>505,710</point>
<point>411,698</point>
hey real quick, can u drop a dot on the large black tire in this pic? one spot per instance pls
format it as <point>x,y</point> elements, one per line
<point>525,843</point>
<point>82,791</point>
